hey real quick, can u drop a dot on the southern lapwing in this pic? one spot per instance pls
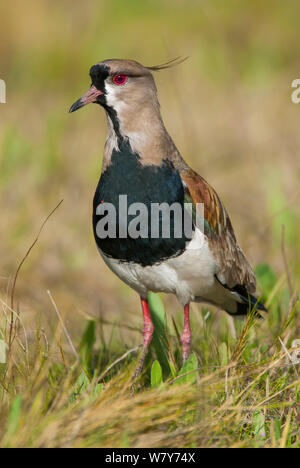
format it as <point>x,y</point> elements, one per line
<point>143,173</point>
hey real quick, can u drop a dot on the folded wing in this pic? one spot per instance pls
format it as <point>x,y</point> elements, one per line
<point>233,267</point>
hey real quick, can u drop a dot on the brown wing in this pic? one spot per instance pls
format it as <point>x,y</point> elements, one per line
<point>234,268</point>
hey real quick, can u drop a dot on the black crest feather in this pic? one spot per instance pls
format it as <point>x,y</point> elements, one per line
<point>169,64</point>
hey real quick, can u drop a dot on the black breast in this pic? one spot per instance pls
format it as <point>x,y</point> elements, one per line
<point>143,184</point>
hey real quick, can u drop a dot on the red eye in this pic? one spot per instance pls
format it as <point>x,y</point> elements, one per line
<point>119,79</point>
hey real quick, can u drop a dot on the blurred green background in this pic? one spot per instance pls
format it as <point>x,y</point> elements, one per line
<point>228,108</point>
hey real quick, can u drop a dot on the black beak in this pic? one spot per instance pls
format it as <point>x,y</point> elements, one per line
<point>76,105</point>
<point>90,96</point>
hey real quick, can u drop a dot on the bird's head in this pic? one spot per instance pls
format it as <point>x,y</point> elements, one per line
<point>118,83</point>
<point>127,91</point>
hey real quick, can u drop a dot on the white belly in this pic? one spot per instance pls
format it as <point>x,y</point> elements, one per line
<point>189,276</point>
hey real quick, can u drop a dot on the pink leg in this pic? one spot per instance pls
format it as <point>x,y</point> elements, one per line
<point>148,329</point>
<point>186,334</point>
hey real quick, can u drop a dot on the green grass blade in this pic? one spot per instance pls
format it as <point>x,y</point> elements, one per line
<point>156,374</point>
<point>87,344</point>
<point>190,365</point>
<point>159,341</point>
<point>14,416</point>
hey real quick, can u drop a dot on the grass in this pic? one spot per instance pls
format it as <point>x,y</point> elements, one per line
<point>65,381</point>
<point>239,388</point>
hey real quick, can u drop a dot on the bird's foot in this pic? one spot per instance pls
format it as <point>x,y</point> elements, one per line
<point>185,351</point>
<point>185,356</point>
<point>148,329</point>
<point>139,369</point>
<point>186,334</point>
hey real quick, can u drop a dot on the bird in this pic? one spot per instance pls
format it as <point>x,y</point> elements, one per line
<point>143,169</point>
